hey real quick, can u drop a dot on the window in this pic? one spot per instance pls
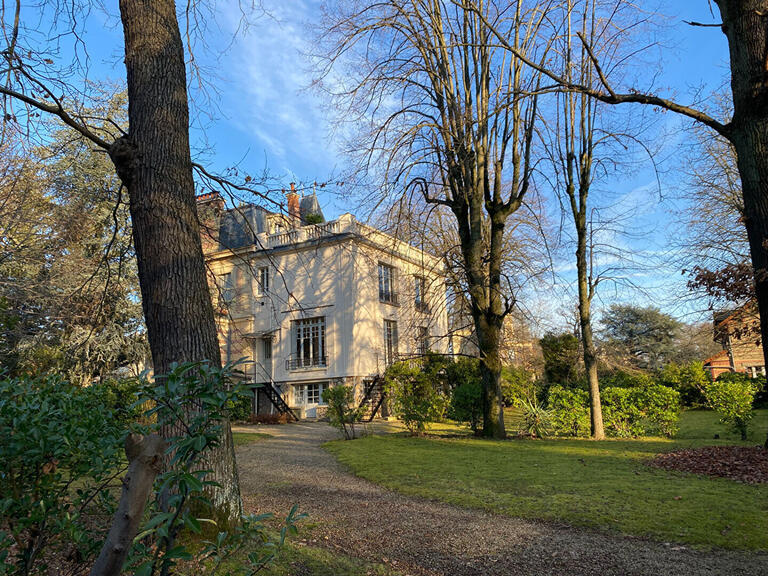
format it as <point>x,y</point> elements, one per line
<point>390,342</point>
<point>420,293</point>
<point>310,393</point>
<point>262,285</point>
<point>267,348</point>
<point>226,289</point>
<point>387,292</point>
<point>309,343</point>
<point>422,341</point>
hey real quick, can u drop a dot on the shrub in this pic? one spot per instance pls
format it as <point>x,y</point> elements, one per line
<point>413,395</point>
<point>625,379</point>
<point>627,412</point>
<point>732,395</point>
<point>517,385</point>
<point>688,379</point>
<point>570,411</point>
<point>121,396</point>
<point>641,411</point>
<point>342,412</point>
<point>536,418</point>
<point>241,408</point>
<point>467,404</point>
<point>60,445</point>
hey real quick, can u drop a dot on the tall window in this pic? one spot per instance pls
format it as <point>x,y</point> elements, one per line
<point>263,280</point>
<point>387,292</point>
<point>422,341</point>
<point>390,342</point>
<point>309,343</point>
<point>420,293</point>
<point>226,289</point>
<point>267,348</point>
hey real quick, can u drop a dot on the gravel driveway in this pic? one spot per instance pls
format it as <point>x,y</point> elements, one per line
<point>422,537</point>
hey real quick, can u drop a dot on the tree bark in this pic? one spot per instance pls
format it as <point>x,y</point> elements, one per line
<point>745,24</point>
<point>145,456</point>
<point>154,163</point>
<point>587,341</point>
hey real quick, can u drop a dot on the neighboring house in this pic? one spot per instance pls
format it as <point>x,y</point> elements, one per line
<point>310,304</point>
<point>738,332</point>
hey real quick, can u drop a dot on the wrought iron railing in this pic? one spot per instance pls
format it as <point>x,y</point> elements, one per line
<point>296,363</point>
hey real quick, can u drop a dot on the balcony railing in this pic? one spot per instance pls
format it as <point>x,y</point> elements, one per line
<point>389,298</point>
<point>297,363</point>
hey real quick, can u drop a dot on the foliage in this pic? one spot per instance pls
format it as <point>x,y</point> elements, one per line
<point>242,407</point>
<point>69,298</point>
<point>517,385</point>
<point>688,379</point>
<point>570,411</point>
<point>732,395</point>
<point>536,418</point>
<point>342,412</point>
<point>467,404</point>
<point>641,411</point>
<point>561,358</point>
<point>61,447</point>
<point>625,379</point>
<point>121,396</point>
<point>627,412</point>
<point>642,337</point>
<point>413,393</point>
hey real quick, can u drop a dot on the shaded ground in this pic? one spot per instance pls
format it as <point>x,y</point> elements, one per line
<point>417,536</point>
<point>748,464</point>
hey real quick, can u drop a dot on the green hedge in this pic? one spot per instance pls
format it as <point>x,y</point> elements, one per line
<point>627,412</point>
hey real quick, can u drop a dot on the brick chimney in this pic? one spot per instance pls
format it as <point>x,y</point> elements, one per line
<point>209,209</point>
<point>294,210</point>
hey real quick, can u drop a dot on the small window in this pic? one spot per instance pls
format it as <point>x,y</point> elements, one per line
<point>390,342</point>
<point>262,285</point>
<point>267,348</point>
<point>226,288</point>
<point>420,293</point>
<point>422,341</point>
<point>387,292</point>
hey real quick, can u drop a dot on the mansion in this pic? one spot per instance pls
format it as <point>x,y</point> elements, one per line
<point>309,304</point>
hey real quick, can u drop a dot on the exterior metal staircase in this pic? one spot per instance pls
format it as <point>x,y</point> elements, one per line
<point>373,398</point>
<point>277,400</point>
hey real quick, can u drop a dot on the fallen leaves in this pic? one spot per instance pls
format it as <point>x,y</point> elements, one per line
<point>741,463</point>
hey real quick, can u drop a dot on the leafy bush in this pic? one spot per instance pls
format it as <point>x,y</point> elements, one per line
<point>536,418</point>
<point>517,385</point>
<point>625,379</point>
<point>641,411</point>
<point>342,412</point>
<point>627,412</point>
<point>241,408</point>
<point>569,411</point>
<point>60,445</point>
<point>121,396</point>
<point>732,395</point>
<point>688,379</point>
<point>467,404</point>
<point>413,394</point>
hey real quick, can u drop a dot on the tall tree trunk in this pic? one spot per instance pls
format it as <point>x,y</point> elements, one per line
<point>490,369</point>
<point>155,165</point>
<point>587,342</point>
<point>745,24</point>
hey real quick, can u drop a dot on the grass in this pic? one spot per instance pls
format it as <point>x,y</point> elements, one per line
<point>243,438</point>
<point>600,485</point>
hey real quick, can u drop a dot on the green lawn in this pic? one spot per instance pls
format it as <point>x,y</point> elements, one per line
<point>241,438</point>
<point>601,485</point>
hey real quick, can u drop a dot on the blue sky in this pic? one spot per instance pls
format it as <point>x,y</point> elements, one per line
<point>263,114</point>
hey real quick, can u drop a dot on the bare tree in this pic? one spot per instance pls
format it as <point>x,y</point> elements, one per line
<point>154,163</point>
<point>743,23</point>
<point>450,117</point>
<point>575,141</point>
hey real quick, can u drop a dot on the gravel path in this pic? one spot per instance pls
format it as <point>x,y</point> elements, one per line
<point>422,537</point>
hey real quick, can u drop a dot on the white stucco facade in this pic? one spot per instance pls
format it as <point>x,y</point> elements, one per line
<point>314,305</point>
